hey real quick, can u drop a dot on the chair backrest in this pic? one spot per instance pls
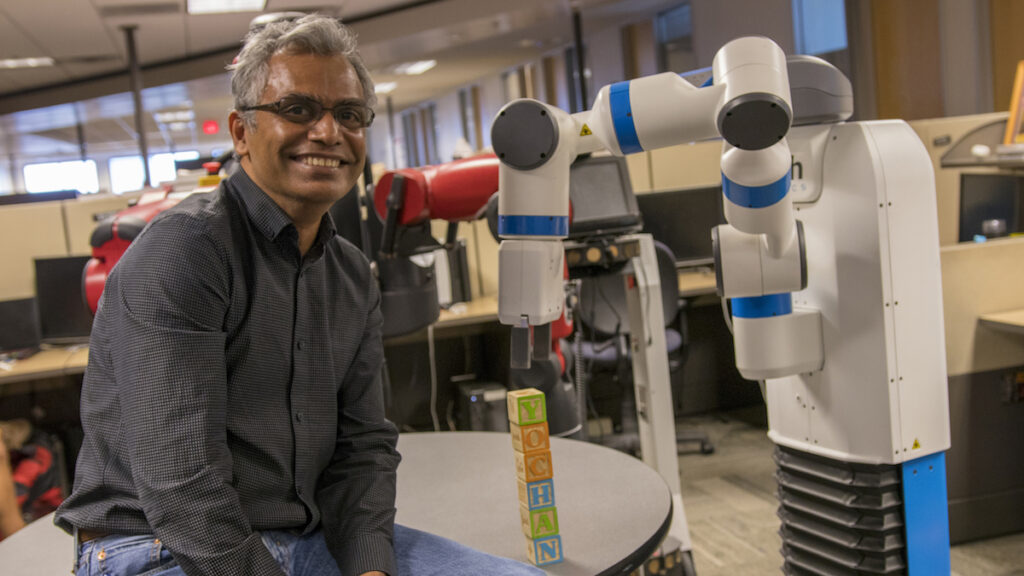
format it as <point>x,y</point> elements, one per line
<point>602,302</point>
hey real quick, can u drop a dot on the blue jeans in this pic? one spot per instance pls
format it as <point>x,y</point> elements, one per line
<point>416,553</point>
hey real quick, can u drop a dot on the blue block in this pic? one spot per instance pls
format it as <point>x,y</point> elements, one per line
<point>544,551</point>
<point>926,511</point>
<point>540,494</point>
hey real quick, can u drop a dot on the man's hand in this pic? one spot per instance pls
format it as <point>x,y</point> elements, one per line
<point>10,515</point>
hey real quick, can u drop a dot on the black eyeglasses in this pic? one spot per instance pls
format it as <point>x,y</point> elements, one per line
<point>306,111</point>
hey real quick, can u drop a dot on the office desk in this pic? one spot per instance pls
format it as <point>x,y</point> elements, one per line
<point>1012,321</point>
<point>480,309</point>
<point>54,362</point>
<point>613,510</point>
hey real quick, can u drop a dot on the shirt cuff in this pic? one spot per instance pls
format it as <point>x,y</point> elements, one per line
<point>367,554</point>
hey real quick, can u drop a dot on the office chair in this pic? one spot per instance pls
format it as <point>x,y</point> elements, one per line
<point>605,318</point>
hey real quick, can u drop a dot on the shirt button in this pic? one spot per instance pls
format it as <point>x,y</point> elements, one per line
<point>298,417</point>
<point>299,490</point>
<point>301,344</point>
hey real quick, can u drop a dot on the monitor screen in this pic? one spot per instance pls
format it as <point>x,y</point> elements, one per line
<point>989,198</point>
<point>602,198</point>
<point>64,316</point>
<point>682,220</point>
<point>20,326</point>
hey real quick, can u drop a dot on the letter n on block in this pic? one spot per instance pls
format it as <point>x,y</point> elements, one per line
<point>544,551</point>
<point>540,494</point>
<point>526,406</point>
<point>534,466</point>
<point>539,523</point>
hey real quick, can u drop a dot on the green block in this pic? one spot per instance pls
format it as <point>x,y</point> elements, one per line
<point>539,523</point>
<point>527,406</point>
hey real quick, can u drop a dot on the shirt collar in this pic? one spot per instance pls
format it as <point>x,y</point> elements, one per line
<point>268,217</point>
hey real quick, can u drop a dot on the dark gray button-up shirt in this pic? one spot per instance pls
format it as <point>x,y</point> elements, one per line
<point>233,386</point>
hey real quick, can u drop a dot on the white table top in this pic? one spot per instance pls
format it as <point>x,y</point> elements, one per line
<point>612,509</point>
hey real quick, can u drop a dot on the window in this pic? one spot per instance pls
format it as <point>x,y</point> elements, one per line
<point>470,112</point>
<point>127,174</point>
<point>54,176</point>
<point>674,30</point>
<point>819,26</point>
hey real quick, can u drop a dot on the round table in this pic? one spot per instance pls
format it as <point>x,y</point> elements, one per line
<point>613,510</point>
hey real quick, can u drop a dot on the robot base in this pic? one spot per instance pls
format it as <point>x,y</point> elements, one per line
<point>842,519</point>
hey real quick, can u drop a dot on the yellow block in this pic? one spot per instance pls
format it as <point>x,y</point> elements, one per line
<point>526,406</point>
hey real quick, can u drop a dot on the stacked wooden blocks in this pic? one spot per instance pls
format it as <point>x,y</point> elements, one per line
<point>527,415</point>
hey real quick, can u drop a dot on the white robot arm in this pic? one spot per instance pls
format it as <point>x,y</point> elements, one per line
<point>748,106</point>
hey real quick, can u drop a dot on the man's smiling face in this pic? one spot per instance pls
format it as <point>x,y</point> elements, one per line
<point>314,164</point>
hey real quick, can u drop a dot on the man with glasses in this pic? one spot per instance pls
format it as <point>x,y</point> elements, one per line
<point>232,407</point>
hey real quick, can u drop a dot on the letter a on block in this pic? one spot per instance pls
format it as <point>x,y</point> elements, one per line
<point>526,406</point>
<point>544,551</point>
<point>539,523</point>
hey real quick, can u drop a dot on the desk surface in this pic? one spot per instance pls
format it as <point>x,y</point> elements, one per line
<point>613,510</point>
<point>479,309</point>
<point>1011,321</point>
<point>48,363</point>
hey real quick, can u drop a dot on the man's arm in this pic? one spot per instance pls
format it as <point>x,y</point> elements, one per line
<point>356,491</point>
<point>168,303</point>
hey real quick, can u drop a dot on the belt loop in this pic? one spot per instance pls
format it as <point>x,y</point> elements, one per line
<point>78,545</point>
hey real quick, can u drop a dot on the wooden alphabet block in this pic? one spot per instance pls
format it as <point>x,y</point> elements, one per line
<point>526,406</point>
<point>544,551</point>
<point>539,523</point>
<point>530,438</point>
<point>540,494</point>
<point>534,466</point>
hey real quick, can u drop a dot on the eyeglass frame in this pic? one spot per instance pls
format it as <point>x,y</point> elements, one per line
<point>277,107</point>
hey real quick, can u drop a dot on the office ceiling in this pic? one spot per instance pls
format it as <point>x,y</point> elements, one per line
<point>183,57</point>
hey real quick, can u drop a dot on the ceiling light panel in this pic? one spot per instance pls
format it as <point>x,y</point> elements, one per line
<point>222,6</point>
<point>415,68</point>
<point>385,87</point>
<point>12,63</point>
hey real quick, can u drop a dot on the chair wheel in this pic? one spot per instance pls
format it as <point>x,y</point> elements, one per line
<point>707,448</point>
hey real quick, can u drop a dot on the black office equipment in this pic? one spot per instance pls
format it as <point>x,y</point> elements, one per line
<point>19,325</point>
<point>602,198</point>
<point>64,317</point>
<point>990,198</point>
<point>482,407</point>
<point>8,199</point>
<point>682,220</point>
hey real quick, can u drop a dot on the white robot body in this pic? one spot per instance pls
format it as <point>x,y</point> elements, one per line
<point>873,259</point>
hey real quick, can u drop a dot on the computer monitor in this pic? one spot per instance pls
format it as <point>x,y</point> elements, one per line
<point>985,197</point>
<point>682,220</point>
<point>603,203</point>
<point>19,325</point>
<point>64,316</point>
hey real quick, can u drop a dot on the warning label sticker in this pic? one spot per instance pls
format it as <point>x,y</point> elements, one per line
<point>586,131</point>
<point>917,445</point>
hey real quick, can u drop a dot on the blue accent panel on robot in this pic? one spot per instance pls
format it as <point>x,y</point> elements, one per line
<point>622,118</point>
<point>926,515</point>
<point>755,196</point>
<point>763,306</point>
<point>533,225</point>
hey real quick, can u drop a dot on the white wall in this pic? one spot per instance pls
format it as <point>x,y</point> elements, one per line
<point>966,57</point>
<point>715,22</point>
<point>604,59</point>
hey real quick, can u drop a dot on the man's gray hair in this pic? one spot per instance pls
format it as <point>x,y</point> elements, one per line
<point>311,34</point>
